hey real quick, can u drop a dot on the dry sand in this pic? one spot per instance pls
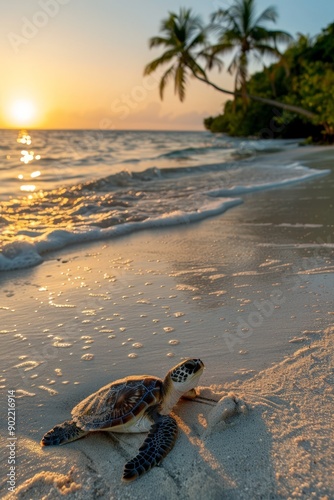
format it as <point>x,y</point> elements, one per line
<point>242,291</point>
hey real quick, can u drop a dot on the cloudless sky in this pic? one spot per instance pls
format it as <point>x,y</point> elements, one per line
<point>81,62</point>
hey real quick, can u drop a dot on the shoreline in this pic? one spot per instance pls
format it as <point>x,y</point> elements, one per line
<point>242,291</point>
<point>31,251</point>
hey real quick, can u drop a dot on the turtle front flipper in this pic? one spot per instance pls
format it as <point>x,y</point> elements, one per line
<point>156,446</point>
<point>63,433</point>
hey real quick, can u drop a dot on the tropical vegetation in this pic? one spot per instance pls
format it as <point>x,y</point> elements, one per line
<point>303,76</point>
<point>292,97</point>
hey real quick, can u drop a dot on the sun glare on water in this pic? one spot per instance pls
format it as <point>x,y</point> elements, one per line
<point>23,113</point>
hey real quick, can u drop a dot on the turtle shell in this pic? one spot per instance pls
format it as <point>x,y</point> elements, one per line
<point>118,404</point>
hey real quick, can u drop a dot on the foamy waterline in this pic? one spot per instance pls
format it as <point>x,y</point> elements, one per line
<point>28,252</point>
<point>306,174</point>
<point>28,248</point>
<point>82,186</point>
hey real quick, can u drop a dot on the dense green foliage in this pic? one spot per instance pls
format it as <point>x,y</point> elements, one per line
<point>304,76</point>
<point>294,97</point>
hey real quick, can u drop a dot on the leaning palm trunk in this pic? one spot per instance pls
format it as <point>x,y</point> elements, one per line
<point>239,28</point>
<point>184,35</point>
<point>264,100</point>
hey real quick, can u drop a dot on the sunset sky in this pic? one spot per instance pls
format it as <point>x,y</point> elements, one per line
<point>79,63</point>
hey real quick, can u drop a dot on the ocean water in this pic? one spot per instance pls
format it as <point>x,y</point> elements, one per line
<point>63,187</point>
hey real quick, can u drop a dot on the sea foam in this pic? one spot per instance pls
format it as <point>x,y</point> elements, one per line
<point>21,254</point>
<point>161,180</point>
<point>306,174</point>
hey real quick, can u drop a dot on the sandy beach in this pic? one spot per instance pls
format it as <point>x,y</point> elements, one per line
<point>250,292</point>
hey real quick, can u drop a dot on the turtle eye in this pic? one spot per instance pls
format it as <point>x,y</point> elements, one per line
<point>189,366</point>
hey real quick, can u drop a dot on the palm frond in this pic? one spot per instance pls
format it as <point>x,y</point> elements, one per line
<point>266,50</point>
<point>180,82</point>
<point>230,37</point>
<point>224,20</point>
<point>245,11</point>
<point>211,60</point>
<point>221,48</point>
<point>234,65</point>
<point>157,41</point>
<point>159,61</point>
<point>269,14</point>
<point>261,34</point>
<point>194,67</point>
<point>199,39</point>
<point>164,80</point>
<point>280,36</point>
<point>220,15</point>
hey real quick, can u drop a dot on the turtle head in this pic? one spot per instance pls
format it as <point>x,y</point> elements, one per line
<point>180,380</point>
<point>185,375</point>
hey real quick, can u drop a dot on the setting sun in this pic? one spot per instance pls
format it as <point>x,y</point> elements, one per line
<point>22,113</point>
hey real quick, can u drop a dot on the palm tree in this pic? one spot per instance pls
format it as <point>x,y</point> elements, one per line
<point>183,34</point>
<point>242,32</point>
<point>185,40</point>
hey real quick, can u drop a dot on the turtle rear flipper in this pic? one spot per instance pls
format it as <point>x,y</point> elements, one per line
<point>156,446</point>
<point>63,433</point>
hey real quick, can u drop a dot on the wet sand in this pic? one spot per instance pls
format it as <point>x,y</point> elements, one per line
<point>250,292</point>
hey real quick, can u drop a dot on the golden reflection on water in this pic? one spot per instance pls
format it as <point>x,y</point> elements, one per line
<point>28,188</point>
<point>24,138</point>
<point>27,157</point>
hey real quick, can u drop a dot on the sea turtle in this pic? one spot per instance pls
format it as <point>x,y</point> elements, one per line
<point>133,404</point>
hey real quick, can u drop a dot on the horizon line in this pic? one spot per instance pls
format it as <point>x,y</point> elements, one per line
<point>32,129</point>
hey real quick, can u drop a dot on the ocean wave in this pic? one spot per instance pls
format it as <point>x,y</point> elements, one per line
<point>307,174</point>
<point>193,151</point>
<point>127,178</point>
<point>21,254</point>
<point>129,201</point>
